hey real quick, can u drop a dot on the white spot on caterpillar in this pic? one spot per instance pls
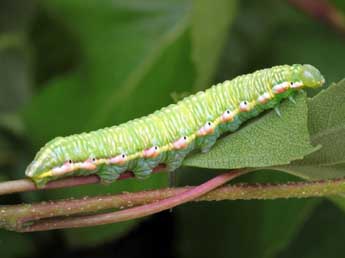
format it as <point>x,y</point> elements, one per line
<point>67,167</point>
<point>119,159</point>
<point>206,129</point>
<point>281,87</point>
<point>264,98</point>
<point>227,116</point>
<point>181,143</point>
<point>70,166</point>
<point>244,106</point>
<point>88,164</point>
<point>151,152</point>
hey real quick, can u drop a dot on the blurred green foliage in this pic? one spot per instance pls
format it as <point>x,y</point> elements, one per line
<point>71,66</point>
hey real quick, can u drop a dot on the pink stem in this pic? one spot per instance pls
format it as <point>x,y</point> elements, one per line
<point>136,212</point>
<point>25,185</point>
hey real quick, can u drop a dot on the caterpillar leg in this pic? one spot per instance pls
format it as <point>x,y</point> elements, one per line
<point>144,166</point>
<point>109,174</point>
<point>142,173</point>
<point>207,143</point>
<point>174,159</point>
<point>172,166</point>
<point>142,169</point>
<point>207,147</point>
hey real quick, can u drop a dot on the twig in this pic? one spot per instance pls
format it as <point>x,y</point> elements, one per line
<point>12,216</point>
<point>136,212</point>
<point>26,185</point>
<point>322,10</point>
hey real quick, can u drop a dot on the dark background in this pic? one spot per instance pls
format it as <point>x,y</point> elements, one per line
<point>68,66</point>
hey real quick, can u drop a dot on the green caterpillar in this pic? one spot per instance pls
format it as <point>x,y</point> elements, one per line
<point>169,134</point>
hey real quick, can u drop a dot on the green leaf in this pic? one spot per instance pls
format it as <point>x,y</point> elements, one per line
<point>229,227</point>
<point>15,90</point>
<point>319,41</point>
<point>210,23</point>
<point>14,245</point>
<point>249,42</point>
<point>321,236</point>
<point>327,128</point>
<point>269,140</point>
<point>131,52</point>
<point>7,154</point>
<point>14,73</point>
<point>15,59</point>
<point>122,47</point>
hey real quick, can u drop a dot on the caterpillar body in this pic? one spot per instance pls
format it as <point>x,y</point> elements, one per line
<point>168,135</point>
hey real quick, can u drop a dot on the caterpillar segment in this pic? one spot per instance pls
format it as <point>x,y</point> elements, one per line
<point>168,135</point>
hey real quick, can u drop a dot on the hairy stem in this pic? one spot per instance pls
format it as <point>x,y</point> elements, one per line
<point>136,212</point>
<point>13,216</point>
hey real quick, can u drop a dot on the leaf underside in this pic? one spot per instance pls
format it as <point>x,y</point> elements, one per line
<point>267,141</point>
<point>327,128</point>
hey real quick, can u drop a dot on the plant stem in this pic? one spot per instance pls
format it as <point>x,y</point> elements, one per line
<point>12,216</point>
<point>26,185</point>
<point>136,212</point>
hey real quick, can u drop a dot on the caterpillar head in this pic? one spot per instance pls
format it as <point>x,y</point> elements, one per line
<point>308,75</point>
<point>46,158</point>
<point>54,160</point>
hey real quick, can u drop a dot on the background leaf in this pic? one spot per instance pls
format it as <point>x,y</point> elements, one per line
<point>149,44</point>
<point>121,47</point>
<point>229,228</point>
<point>330,221</point>
<point>15,92</point>
<point>6,244</point>
<point>208,38</point>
